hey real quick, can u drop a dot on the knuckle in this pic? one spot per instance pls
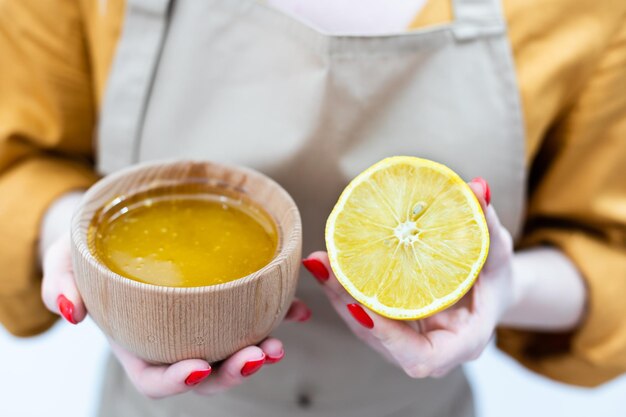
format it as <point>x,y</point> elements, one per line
<point>416,371</point>
<point>143,390</point>
<point>155,392</point>
<point>391,340</point>
<point>384,338</point>
<point>144,387</point>
<point>152,396</point>
<point>229,384</point>
<point>439,373</point>
<point>229,379</point>
<point>208,391</point>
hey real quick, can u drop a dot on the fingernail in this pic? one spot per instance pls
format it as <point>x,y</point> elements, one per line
<point>196,377</point>
<point>316,268</point>
<point>274,359</point>
<point>360,315</point>
<point>485,185</point>
<point>252,366</point>
<point>306,315</point>
<point>66,308</point>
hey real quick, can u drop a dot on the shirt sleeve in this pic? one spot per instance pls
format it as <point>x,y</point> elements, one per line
<point>46,123</point>
<point>577,202</point>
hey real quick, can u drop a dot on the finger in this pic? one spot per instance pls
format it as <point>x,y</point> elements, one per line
<point>452,318</point>
<point>459,335</point>
<point>501,246</point>
<point>501,242</point>
<point>298,311</point>
<point>58,290</point>
<point>358,320</point>
<point>481,190</point>
<point>347,307</point>
<point>318,265</point>
<point>396,338</point>
<point>419,355</point>
<point>234,371</point>
<point>451,349</point>
<point>158,381</point>
<point>273,349</point>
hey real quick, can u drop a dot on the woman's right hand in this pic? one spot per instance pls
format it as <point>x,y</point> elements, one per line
<point>61,296</point>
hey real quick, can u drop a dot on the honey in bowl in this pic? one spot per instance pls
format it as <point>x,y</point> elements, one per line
<point>183,236</point>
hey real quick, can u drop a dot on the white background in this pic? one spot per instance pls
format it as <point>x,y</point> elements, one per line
<point>58,374</point>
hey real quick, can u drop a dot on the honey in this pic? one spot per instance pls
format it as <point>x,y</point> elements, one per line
<point>183,236</point>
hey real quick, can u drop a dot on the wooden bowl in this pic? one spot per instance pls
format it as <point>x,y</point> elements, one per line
<point>169,324</point>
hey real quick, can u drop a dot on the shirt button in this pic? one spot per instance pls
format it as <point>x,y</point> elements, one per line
<point>304,400</point>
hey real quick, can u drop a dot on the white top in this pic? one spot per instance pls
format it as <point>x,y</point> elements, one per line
<point>364,17</point>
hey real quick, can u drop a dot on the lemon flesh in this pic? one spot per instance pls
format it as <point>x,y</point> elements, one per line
<point>407,238</point>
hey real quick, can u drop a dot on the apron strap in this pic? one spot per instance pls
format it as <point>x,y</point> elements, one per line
<point>129,84</point>
<point>477,18</point>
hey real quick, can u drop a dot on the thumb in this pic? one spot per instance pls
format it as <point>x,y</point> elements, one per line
<point>501,246</point>
<point>58,288</point>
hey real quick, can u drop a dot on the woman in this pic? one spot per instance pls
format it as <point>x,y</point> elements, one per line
<point>312,96</point>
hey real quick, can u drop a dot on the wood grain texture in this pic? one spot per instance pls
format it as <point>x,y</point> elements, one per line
<point>168,324</point>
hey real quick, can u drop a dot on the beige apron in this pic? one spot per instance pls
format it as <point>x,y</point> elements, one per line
<point>239,82</point>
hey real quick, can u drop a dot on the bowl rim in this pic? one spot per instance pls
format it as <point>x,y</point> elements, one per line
<point>289,243</point>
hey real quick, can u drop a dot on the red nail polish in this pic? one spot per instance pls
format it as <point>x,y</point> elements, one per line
<point>306,315</point>
<point>66,308</point>
<point>485,185</point>
<point>252,366</point>
<point>196,377</point>
<point>317,269</point>
<point>274,359</point>
<point>360,315</point>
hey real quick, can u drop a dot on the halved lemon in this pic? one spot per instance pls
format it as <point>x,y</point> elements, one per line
<point>407,238</point>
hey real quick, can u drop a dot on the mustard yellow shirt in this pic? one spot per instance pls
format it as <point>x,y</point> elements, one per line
<point>571,67</point>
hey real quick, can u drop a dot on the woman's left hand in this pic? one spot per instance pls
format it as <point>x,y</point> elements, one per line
<point>433,346</point>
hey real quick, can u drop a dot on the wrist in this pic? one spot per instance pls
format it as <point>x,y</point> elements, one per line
<point>548,291</point>
<point>521,280</point>
<point>56,220</point>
